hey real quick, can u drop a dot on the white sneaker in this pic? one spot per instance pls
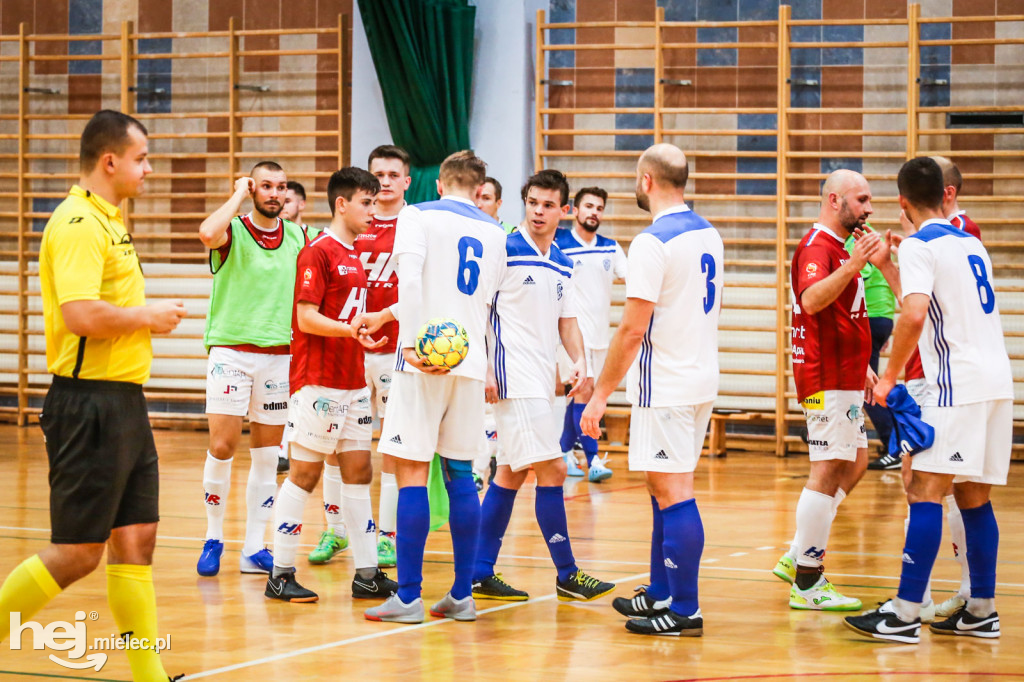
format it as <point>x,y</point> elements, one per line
<point>394,610</point>
<point>457,609</point>
<point>599,470</point>
<point>927,614</point>
<point>822,597</point>
<point>949,607</point>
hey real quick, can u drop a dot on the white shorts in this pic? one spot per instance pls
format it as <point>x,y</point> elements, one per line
<point>667,439</point>
<point>595,361</point>
<point>915,389</point>
<point>442,414</point>
<point>835,425</point>
<point>528,432</point>
<point>328,420</point>
<point>240,383</point>
<point>490,430</point>
<point>972,442</point>
<point>379,368</point>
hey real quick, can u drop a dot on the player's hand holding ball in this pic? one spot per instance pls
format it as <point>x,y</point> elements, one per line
<point>441,345</point>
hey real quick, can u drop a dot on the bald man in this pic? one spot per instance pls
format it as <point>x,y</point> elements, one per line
<point>831,347</point>
<point>673,302</point>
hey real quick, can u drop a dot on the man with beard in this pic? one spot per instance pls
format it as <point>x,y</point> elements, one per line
<point>598,262</point>
<point>248,332</point>
<point>831,342</point>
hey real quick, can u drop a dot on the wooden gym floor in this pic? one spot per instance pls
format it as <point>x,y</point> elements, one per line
<point>224,629</point>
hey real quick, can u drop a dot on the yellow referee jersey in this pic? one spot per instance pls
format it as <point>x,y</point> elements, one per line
<point>87,255</point>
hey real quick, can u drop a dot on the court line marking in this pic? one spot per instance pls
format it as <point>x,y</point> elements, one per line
<point>377,635</point>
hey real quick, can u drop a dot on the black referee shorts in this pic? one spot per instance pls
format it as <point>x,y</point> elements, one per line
<point>103,462</point>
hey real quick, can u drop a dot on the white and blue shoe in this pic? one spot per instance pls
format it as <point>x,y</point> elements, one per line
<point>599,470</point>
<point>572,467</point>
<point>260,562</point>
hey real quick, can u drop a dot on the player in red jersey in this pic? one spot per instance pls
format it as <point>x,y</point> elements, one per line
<point>329,410</point>
<point>831,348</point>
<point>954,181</point>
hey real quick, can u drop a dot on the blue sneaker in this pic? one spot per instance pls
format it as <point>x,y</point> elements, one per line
<point>572,467</point>
<point>599,470</point>
<point>260,562</point>
<point>209,560</point>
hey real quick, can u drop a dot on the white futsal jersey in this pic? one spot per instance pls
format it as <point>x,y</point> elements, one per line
<point>463,252</point>
<point>535,293</point>
<point>596,265</point>
<point>677,264</point>
<point>962,347</point>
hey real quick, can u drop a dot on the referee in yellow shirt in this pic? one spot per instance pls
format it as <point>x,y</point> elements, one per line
<point>104,482</point>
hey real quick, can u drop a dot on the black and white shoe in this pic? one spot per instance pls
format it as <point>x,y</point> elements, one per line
<point>964,624</point>
<point>669,624</point>
<point>884,624</point>
<point>886,462</point>
<point>380,586</point>
<point>286,588</point>
<point>640,605</point>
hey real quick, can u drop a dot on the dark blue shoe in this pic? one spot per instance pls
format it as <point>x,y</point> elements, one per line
<point>260,562</point>
<point>209,560</point>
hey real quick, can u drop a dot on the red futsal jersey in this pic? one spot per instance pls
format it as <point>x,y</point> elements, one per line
<point>330,275</point>
<point>375,247</point>
<point>830,349</point>
<point>914,369</point>
<point>961,221</point>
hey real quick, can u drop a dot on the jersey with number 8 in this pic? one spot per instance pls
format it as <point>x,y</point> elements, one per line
<point>962,346</point>
<point>463,251</point>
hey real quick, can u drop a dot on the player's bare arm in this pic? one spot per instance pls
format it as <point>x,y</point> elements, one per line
<point>904,341</point>
<point>100,319</point>
<point>370,323</point>
<point>822,294</point>
<point>636,318</point>
<point>882,259</point>
<point>572,340</point>
<point>312,321</point>
<point>214,230</point>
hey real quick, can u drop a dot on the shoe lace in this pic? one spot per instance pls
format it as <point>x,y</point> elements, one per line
<point>586,580</point>
<point>498,578</point>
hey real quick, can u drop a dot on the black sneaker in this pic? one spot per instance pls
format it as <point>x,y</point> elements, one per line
<point>883,623</point>
<point>582,587</point>
<point>964,624</point>
<point>640,605</point>
<point>379,586</point>
<point>286,588</point>
<point>669,624</point>
<point>493,587</point>
<point>283,464</point>
<point>886,462</point>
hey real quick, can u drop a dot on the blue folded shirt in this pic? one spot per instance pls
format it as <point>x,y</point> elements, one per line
<point>909,435</point>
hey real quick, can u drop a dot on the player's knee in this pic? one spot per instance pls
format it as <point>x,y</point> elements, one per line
<point>222,448</point>
<point>304,474</point>
<point>456,469</point>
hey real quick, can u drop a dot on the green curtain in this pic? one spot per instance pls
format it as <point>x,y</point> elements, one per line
<point>423,53</point>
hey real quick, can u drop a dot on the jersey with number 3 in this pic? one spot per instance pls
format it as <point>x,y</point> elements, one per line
<point>962,346</point>
<point>463,251</point>
<point>376,247</point>
<point>831,348</point>
<point>330,275</point>
<point>676,263</point>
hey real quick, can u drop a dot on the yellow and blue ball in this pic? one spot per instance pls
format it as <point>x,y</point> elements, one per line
<point>442,343</point>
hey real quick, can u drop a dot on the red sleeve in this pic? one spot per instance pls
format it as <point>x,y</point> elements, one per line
<point>225,248</point>
<point>311,276</point>
<point>971,228</point>
<point>812,265</point>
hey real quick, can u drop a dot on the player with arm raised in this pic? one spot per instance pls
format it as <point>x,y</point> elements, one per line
<point>532,311</point>
<point>668,341</point>
<point>451,256</point>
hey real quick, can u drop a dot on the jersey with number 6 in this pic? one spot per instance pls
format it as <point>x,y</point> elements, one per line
<point>962,346</point>
<point>677,264</point>
<point>463,251</point>
<point>330,275</point>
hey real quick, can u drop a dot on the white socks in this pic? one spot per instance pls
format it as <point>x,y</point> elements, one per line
<point>388,509</point>
<point>259,496</point>
<point>291,501</point>
<point>956,531</point>
<point>814,514</point>
<point>355,501</point>
<point>216,483</point>
<point>332,499</point>
<point>837,500</point>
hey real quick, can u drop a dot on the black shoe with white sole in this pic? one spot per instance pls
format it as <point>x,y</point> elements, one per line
<point>884,624</point>
<point>380,586</point>
<point>964,624</point>
<point>640,605</point>
<point>286,588</point>
<point>669,624</point>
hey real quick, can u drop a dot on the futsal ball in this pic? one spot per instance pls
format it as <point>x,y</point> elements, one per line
<point>442,343</point>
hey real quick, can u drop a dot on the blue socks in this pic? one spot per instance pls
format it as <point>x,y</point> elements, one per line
<point>982,533</point>
<point>550,510</point>
<point>924,535</point>
<point>658,589</point>
<point>588,444</point>
<point>464,524</point>
<point>495,513</point>
<point>568,439</point>
<point>411,537</point>
<point>683,546</point>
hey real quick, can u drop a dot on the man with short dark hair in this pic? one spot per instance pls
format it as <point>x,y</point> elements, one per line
<point>248,331</point>
<point>490,201</point>
<point>950,314</point>
<point>104,477</point>
<point>293,206</point>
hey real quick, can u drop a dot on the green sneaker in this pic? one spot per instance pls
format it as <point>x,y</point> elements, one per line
<point>785,569</point>
<point>386,557</point>
<point>329,545</point>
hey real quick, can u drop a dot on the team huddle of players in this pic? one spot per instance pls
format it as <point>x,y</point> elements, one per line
<point>311,332</point>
